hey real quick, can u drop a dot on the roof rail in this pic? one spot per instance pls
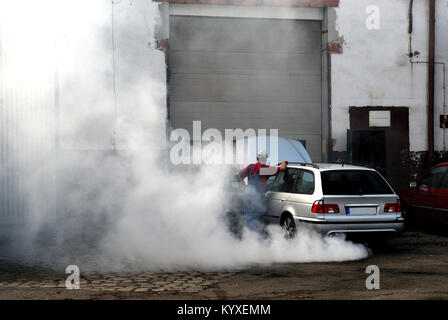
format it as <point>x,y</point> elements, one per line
<point>305,164</point>
<point>351,164</point>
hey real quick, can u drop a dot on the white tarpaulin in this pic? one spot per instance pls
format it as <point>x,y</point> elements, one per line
<point>287,149</point>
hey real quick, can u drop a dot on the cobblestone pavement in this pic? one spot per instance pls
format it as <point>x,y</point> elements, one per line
<point>413,266</point>
<point>14,275</point>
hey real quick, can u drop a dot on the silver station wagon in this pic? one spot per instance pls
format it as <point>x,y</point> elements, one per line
<point>333,199</point>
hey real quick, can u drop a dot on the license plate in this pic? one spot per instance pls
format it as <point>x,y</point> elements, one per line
<point>360,211</point>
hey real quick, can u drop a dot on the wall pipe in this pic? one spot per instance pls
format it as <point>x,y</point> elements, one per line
<point>444,100</point>
<point>443,89</point>
<point>410,27</point>
<point>431,79</point>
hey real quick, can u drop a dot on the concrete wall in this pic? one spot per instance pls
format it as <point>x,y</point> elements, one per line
<point>374,71</point>
<point>44,116</point>
<point>112,85</point>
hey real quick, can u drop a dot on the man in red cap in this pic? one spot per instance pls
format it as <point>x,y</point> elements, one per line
<point>257,175</point>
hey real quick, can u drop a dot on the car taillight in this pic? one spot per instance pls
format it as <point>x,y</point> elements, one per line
<point>321,207</point>
<point>392,207</point>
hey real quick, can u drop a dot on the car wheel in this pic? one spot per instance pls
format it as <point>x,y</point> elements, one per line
<point>289,226</point>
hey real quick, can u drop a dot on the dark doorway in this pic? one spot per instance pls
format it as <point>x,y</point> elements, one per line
<point>385,148</point>
<point>368,148</point>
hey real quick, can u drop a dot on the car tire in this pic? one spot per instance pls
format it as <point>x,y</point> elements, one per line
<point>409,222</point>
<point>289,226</point>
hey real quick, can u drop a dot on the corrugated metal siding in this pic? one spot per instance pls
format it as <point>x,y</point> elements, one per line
<point>247,73</point>
<point>27,122</point>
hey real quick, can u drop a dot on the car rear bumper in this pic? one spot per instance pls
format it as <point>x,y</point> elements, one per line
<point>327,228</point>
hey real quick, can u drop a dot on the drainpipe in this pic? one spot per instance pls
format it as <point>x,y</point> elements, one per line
<point>410,27</point>
<point>443,89</point>
<point>444,101</point>
<point>330,139</point>
<point>431,79</point>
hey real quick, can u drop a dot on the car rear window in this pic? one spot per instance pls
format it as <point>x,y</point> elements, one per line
<point>353,182</point>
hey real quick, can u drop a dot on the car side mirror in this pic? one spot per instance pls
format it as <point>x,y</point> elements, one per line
<point>413,184</point>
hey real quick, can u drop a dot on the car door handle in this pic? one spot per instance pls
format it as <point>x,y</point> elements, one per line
<point>281,200</point>
<point>430,194</point>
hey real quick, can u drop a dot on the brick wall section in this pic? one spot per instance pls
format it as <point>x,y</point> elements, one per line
<point>214,1</point>
<point>277,3</point>
<point>332,3</point>
<point>162,44</point>
<point>245,2</point>
<point>335,47</point>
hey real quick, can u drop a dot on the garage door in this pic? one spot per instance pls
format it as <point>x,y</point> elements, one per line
<point>247,73</point>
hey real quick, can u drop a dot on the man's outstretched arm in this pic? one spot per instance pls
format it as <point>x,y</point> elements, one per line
<point>240,179</point>
<point>273,170</point>
<point>240,175</point>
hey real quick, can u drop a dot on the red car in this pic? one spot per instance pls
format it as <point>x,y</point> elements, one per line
<point>427,199</point>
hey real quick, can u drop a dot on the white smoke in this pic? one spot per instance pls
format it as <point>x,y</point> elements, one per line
<point>99,207</point>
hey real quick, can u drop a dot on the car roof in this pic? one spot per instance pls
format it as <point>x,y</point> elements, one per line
<point>329,166</point>
<point>440,164</point>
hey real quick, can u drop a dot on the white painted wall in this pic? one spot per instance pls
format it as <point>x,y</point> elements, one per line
<point>441,56</point>
<point>90,108</point>
<point>373,69</point>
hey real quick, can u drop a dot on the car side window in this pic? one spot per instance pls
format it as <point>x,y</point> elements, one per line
<point>444,183</point>
<point>269,182</point>
<point>305,183</point>
<point>433,177</point>
<point>278,180</point>
<point>284,181</point>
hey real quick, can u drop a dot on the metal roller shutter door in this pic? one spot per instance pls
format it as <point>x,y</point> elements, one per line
<point>247,73</point>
